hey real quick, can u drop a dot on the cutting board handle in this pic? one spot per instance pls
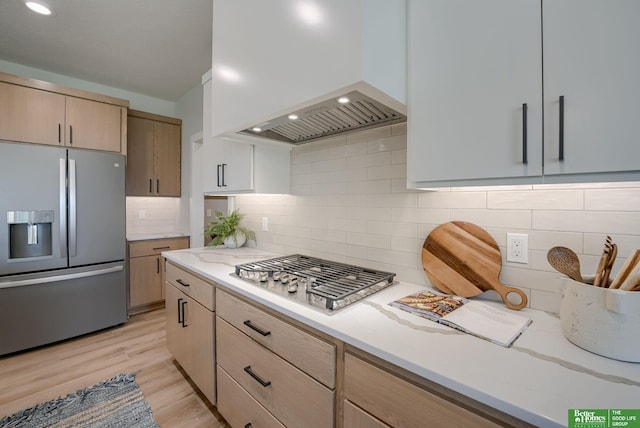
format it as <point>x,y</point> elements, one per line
<point>504,291</point>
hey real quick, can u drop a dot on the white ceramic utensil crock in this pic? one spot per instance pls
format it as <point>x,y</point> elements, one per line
<point>602,320</point>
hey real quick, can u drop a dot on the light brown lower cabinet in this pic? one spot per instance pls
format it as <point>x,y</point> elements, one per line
<point>239,407</point>
<point>190,307</point>
<point>355,417</point>
<point>266,371</point>
<point>269,370</point>
<point>378,395</point>
<point>146,271</point>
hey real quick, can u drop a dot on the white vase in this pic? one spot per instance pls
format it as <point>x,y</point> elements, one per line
<point>239,241</point>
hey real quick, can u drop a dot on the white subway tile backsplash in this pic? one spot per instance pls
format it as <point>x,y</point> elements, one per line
<point>588,221</point>
<point>372,159</point>
<point>536,200</point>
<point>613,199</point>
<point>349,202</point>
<point>469,199</point>
<point>368,187</point>
<point>494,218</point>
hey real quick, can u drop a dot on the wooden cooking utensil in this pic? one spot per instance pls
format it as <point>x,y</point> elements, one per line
<point>607,269</point>
<point>565,261</point>
<point>632,279</point>
<point>603,262</point>
<point>625,270</point>
<point>463,259</point>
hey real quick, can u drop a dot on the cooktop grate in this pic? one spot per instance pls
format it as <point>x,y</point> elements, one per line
<point>334,284</point>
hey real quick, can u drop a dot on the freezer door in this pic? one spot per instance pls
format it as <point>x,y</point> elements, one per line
<point>38,309</point>
<point>31,183</point>
<point>96,207</point>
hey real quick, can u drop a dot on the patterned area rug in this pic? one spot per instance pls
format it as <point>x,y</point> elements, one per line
<point>117,402</point>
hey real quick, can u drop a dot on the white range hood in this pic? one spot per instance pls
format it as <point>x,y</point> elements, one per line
<point>279,68</point>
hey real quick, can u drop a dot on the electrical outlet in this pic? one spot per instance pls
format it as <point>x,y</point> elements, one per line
<point>208,212</point>
<point>265,224</point>
<point>518,247</point>
<point>142,214</point>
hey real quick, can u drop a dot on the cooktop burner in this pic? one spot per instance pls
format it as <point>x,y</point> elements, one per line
<point>316,282</point>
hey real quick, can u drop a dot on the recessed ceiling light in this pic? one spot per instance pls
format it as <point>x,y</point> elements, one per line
<point>38,7</point>
<point>292,116</point>
<point>343,100</point>
<point>256,129</point>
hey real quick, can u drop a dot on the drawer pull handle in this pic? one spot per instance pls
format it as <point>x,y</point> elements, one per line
<point>162,248</point>
<point>184,284</point>
<point>256,377</point>
<point>183,304</point>
<point>180,315</point>
<point>248,425</point>
<point>561,129</point>
<point>524,133</point>
<point>254,328</point>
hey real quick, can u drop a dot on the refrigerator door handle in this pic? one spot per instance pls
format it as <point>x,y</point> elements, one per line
<point>63,208</point>
<point>57,278</point>
<point>72,209</point>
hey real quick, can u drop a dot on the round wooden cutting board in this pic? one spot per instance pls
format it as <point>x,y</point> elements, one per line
<point>463,259</point>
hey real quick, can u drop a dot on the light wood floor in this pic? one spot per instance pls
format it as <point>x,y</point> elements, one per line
<point>36,376</point>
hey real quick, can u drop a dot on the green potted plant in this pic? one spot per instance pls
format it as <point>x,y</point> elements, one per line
<point>226,229</point>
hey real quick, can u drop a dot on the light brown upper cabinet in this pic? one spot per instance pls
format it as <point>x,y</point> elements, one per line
<point>33,111</point>
<point>153,154</point>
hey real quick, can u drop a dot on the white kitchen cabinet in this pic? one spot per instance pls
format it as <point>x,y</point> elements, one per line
<point>270,56</point>
<point>591,58</point>
<point>232,166</point>
<point>472,67</point>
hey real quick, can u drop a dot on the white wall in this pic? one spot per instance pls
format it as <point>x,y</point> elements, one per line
<point>349,203</point>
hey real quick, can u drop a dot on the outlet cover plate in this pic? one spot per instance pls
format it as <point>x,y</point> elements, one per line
<point>518,248</point>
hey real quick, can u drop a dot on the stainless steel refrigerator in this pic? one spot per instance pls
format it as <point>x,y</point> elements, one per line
<point>62,243</point>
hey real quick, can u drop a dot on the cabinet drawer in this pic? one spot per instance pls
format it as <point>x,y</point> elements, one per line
<point>400,403</point>
<point>310,354</point>
<point>154,247</point>
<point>238,407</point>
<point>289,394</point>
<point>355,417</point>
<point>199,289</point>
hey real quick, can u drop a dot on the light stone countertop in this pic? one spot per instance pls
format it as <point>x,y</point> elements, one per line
<point>538,379</point>
<point>145,237</point>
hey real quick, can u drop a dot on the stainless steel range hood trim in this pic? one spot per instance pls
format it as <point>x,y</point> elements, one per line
<point>323,117</point>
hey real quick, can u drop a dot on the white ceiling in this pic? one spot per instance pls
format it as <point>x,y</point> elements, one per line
<point>159,48</point>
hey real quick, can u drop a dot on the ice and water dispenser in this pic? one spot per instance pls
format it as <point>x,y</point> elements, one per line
<point>30,234</point>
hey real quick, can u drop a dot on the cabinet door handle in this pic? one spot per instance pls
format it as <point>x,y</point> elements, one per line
<point>71,135</point>
<point>561,129</point>
<point>183,304</point>
<point>150,186</point>
<point>184,284</point>
<point>256,377</point>
<point>161,248</point>
<point>248,425</point>
<point>218,171</point>
<point>157,264</point>
<point>524,133</point>
<point>180,314</point>
<point>223,183</point>
<point>59,133</point>
<point>257,329</point>
<point>157,185</point>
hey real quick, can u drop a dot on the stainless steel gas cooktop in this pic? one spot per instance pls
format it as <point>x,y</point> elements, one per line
<point>315,282</point>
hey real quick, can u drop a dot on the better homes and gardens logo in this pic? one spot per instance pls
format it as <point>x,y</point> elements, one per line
<point>604,418</point>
